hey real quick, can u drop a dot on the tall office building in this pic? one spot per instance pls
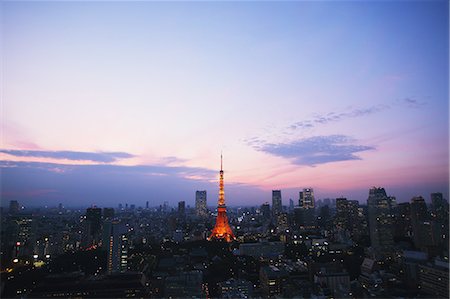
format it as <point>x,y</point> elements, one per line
<point>342,216</point>
<point>347,216</point>
<point>94,216</point>
<point>402,227</point>
<point>440,209</point>
<point>305,212</point>
<point>116,234</point>
<point>265,210</point>
<point>24,233</point>
<point>422,226</point>
<point>200,203</point>
<point>277,207</point>
<point>181,209</point>
<point>306,198</point>
<point>380,218</point>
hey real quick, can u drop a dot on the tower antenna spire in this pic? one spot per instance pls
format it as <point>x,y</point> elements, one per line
<point>221,162</point>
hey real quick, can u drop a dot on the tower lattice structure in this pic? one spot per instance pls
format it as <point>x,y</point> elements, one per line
<point>222,229</point>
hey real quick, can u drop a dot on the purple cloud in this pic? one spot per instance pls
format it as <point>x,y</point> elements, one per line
<point>315,150</point>
<point>102,157</point>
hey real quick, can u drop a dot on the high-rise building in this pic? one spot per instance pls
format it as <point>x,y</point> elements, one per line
<point>14,207</point>
<point>222,229</point>
<point>306,198</point>
<point>402,226</point>
<point>200,203</point>
<point>181,209</point>
<point>440,207</point>
<point>342,216</point>
<point>265,211</point>
<point>422,226</point>
<point>94,216</point>
<point>117,246</point>
<point>305,212</point>
<point>24,232</point>
<point>277,206</point>
<point>380,218</point>
<point>282,222</point>
<point>440,214</point>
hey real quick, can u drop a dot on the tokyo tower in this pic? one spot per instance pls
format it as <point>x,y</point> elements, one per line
<point>222,230</point>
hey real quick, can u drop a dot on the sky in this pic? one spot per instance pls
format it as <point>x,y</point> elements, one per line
<point>127,102</point>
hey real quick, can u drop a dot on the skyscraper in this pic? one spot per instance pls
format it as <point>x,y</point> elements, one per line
<point>200,203</point>
<point>304,213</point>
<point>265,211</point>
<point>440,209</point>
<point>222,229</point>
<point>306,198</point>
<point>421,224</point>
<point>117,246</point>
<point>181,209</point>
<point>277,207</point>
<point>93,221</point>
<point>341,219</point>
<point>380,220</point>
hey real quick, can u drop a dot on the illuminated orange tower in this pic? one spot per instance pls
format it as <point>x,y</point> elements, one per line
<point>222,230</point>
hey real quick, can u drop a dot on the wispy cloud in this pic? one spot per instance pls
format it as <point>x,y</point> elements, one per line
<point>101,157</point>
<point>315,150</point>
<point>411,102</point>
<point>331,117</point>
<point>321,119</point>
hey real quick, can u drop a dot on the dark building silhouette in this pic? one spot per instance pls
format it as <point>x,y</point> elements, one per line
<point>421,223</point>
<point>402,226</point>
<point>440,214</point>
<point>181,209</point>
<point>108,213</point>
<point>14,207</point>
<point>93,225</point>
<point>304,214</point>
<point>265,211</point>
<point>380,218</point>
<point>277,206</point>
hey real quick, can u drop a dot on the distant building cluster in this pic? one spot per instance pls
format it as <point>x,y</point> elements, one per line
<point>305,248</point>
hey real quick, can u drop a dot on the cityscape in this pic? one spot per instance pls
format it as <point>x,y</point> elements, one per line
<point>224,149</point>
<point>331,248</point>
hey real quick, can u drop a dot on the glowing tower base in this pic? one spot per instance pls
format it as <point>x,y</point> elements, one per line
<point>222,230</point>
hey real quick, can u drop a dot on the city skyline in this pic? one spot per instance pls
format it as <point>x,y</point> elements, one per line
<point>107,103</point>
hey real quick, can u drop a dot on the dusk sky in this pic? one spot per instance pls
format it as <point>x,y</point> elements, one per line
<point>127,102</point>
